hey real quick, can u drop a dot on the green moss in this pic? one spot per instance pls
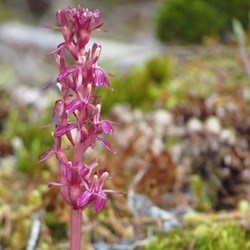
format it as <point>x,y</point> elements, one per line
<point>33,139</point>
<point>232,9</point>
<point>187,21</point>
<point>57,228</point>
<point>191,21</point>
<point>200,193</point>
<point>7,13</point>
<point>35,199</point>
<point>140,87</point>
<point>164,81</point>
<point>219,236</point>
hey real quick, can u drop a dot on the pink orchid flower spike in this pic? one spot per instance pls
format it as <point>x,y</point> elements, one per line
<point>77,116</point>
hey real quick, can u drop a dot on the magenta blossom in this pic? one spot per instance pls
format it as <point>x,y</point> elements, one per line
<point>77,114</point>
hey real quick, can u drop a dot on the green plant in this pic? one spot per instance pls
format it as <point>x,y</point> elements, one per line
<point>239,33</point>
<point>32,139</point>
<point>140,87</point>
<point>219,236</point>
<point>232,9</point>
<point>57,228</point>
<point>6,13</point>
<point>201,197</point>
<point>187,21</point>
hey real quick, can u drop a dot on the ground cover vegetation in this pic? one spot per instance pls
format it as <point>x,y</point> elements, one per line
<point>183,152</point>
<point>203,105</point>
<point>197,20</point>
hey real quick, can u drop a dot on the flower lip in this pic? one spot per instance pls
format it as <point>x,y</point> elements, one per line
<point>84,199</point>
<point>100,202</point>
<point>106,127</point>
<point>100,78</point>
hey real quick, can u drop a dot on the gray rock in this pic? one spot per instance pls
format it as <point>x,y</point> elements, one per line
<point>122,113</point>
<point>172,224</point>
<point>213,125</point>
<point>194,125</point>
<point>142,204</point>
<point>101,246</point>
<point>19,35</point>
<point>157,212</point>
<point>162,117</point>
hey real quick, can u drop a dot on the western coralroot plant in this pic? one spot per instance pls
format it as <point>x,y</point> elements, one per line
<point>77,116</point>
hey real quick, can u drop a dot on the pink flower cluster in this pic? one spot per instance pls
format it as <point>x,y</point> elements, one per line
<point>79,110</point>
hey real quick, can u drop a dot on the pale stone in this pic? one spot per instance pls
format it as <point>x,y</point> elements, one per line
<point>194,125</point>
<point>213,125</point>
<point>162,117</point>
<point>228,135</point>
<point>157,146</point>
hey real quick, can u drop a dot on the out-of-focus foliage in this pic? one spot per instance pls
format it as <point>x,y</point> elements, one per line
<point>204,76</point>
<point>232,9</point>
<point>57,228</point>
<point>28,138</point>
<point>7,13</point>
<point>191,165</point>
<point>165,82</point>
<point>179,20</point>
<point>141,86</point>
<point>192,21</point>
<point>200,194</point>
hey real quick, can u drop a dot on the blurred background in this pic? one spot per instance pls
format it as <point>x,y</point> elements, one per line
<point>182,99</point>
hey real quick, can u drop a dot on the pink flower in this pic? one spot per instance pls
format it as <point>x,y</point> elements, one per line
<point>95,193</point>
<point>78,111</point>
<point>100,78</point>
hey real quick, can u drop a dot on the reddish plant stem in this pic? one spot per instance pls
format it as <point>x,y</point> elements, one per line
<point>75,229</point>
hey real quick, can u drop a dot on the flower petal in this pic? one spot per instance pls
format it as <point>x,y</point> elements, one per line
<point>106,127</point>
<point>110,191</point>
<point>59,48</point>
<point>100,202</point>
<point>53,183</point>
<point>49,84</point>
<point>93,164</point>
<point>65,73</point>
<point>61,157</point>
<point>46,154</point>
<point>65,129</point>
<point>84,199</point>
<point>83,169</point>
<point>73,106</point>
<point>67,172</point>
<point>106,144</point>
<point>100,78</point>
